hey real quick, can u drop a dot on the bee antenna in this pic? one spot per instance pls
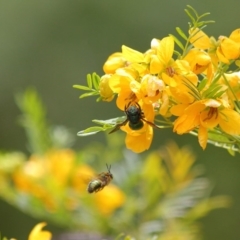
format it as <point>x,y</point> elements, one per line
<point>108,167</point>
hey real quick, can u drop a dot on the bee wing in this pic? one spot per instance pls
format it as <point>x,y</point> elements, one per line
<point>82,177</point>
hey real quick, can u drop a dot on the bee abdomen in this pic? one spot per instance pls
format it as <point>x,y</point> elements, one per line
<point>94,186</point>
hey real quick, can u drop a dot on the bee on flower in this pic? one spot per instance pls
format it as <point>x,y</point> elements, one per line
<point>191,89</point>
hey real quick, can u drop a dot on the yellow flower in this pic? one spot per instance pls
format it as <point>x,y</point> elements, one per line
<point>115,61</point>
<point>109,200</point>
<point>138,140</point>
<point>120,83</point>
<point>105,91</point>
<point>135,60</point>
<point>206,114</point>
<point>181,94</point>
<point>235,36</point>
<point>59,164</point>
<point>199,60</point>
<point>234,81</point>
<point>149,89</point>
<point>227,50</point>
<point>38,234</point>
<point>170,71</point>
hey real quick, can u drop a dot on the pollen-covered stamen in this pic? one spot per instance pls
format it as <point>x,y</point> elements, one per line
<point>127,64</point>
<point>198,66</point>
<point>131,98</point>
<point>170,71</point>
<point>213,112</point>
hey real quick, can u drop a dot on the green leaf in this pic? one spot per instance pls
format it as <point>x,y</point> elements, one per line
<point>231,152</point>
<point>107,124</point>
<point>237,62</point>
<point>33,120</point>
<point>204,15</point>
<point>219,93</point>
<point>190,16</point>
<point>194,11</point>
<point>89,81</point>
<point>202,84</point>
<point>96,81</point>
<point>90,131</point>
<point>112,121</point>
<point>181,33</point>
<point>212,91</point>
<point>177,42</point>
<point>99,99</point>
<point>92,81</point>
<point>88,94</point>
<point>218,137</point>
<point>81,87</point>
<point>178,54</point>
<point>210,21</point>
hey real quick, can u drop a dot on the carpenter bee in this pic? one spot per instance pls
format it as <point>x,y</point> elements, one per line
<point>102,180</point>
<point>135,118</point>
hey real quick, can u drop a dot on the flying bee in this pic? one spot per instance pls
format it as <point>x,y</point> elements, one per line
<point>102,180</point>
<point>135,118</point>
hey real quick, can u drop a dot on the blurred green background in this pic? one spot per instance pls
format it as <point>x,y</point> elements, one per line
<point>52,45</point>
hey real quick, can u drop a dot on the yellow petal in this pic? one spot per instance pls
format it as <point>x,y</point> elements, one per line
<point>185,123</point>
<point>190,119</point>
<point>169,80</point>
<point>229,48</point>
<point>212,103</point>
<point>208,121</point>
<point>140,142</point>
<point>132,55</point>
<point>120,81</point>
<point>114,62</point>
<point>229,121</point>
<point>178,110</point>
<point>221,56</point>
<point>198,60</point>
<point>123,99</point>
<point>38,234</point>
<point>235,36</point>
<point>155,65</point>
<point>165,50</point>
<point>199,39</point>
<point>165,104</point>
<point>105,91</point>
<point>202,137</point>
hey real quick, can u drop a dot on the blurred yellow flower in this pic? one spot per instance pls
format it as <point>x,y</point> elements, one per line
<point>60,164</point>
<point>109,200</point>
<point>38,234</point>
<point>81,175</point>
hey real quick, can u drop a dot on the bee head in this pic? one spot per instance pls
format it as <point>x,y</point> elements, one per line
<point>109,168</point>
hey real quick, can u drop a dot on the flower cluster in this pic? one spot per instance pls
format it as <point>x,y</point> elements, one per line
<point>193,89</point>
<point>55,184</point>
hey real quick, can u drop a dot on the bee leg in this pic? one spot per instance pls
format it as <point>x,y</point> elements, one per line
<point>117,127</point>
<point>99,189</point>
<point>150,123</point>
